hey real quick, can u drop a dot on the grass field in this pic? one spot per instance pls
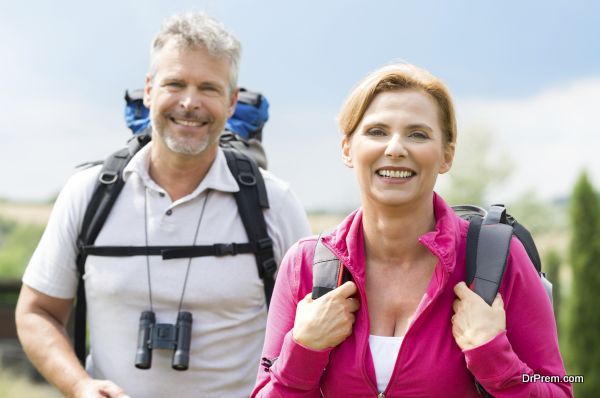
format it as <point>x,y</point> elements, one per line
<point>17,386</point>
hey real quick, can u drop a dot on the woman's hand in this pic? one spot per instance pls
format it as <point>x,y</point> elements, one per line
<point>326,321</point>
<point>474,322</point>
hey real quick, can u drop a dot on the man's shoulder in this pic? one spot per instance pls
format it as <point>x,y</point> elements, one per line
<point>274,183</point>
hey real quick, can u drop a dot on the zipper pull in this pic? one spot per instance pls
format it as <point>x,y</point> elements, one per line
<point>380,395</point>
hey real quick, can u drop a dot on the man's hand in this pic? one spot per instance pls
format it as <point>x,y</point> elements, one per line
<point>474,322</point>
<point>90,388</point>
<point>326,321</point>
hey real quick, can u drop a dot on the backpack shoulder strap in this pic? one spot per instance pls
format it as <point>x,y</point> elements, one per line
<point>251,200</point>
<point>328,270</point>
<point>492,246</point>
<point>109,186</point>
<point>527,240</point>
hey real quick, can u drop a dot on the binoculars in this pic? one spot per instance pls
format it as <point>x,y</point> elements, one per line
<point>164,336</point>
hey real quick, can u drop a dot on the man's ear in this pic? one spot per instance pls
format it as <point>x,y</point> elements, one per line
<point>346,155</point>
<point>448,157</point>
<point>147,91</point>
<point>233,101</point>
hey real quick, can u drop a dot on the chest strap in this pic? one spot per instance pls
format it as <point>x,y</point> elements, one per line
<point>173,252</point>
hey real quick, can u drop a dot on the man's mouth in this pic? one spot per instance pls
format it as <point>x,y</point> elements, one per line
<point>389,173</point>
<point>188,122</point>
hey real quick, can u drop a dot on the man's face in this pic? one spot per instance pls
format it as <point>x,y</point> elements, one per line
<point>189,98</point>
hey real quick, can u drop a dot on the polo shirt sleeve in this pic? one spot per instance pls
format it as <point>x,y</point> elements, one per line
<point>52,269</point>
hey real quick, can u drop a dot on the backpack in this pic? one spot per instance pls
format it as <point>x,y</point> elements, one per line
<point>488,243</point>
<point>243,130</point>
<point>243,159</point>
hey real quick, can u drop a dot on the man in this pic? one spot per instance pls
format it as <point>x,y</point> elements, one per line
<point>178,191</point>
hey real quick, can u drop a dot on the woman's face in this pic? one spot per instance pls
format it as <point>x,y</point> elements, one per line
<point>398,150</point>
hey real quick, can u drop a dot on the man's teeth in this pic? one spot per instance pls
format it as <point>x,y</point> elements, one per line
<point>189,123</point>
<point>395,173</point>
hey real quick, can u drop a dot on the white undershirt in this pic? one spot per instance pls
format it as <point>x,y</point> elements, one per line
<point>384,350</point>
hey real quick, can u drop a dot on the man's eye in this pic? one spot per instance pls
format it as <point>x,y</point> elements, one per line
<point>375,132</point>
<point>211,90</point>
<point>174,84</point>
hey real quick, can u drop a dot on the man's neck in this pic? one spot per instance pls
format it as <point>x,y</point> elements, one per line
<point>179,175</point>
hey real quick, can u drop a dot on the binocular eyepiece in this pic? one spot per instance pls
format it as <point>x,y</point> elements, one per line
<point>164,336</point>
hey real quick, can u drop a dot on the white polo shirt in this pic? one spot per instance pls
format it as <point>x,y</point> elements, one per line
<point>224,294</point>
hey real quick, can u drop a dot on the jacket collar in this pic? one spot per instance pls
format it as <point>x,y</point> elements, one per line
<point>347,240</point>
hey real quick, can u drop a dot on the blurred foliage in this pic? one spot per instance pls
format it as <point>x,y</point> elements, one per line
<point>552,263</point>
<point>537,215</point>
<point>17,243</point>
<point>583,351</point>
<point>477,167</point>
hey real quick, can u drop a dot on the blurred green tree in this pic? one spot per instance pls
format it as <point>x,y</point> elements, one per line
<point>476,169</point>
<point>552,263</point>
<point>17,243</point>
<point>583,351</point>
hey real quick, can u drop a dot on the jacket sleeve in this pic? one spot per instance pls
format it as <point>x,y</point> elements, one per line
<point>287,368</point>
<point>510,364</point>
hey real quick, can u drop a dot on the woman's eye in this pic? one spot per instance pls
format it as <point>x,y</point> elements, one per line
<point>418,135</point>
<point>375,132</point>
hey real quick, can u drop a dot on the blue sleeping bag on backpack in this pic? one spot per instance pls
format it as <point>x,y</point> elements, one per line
<point>250,115</point>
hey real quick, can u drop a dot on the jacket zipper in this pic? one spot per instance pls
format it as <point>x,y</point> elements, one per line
<point>363,297</point>
<point>381,394</point>
<point>419,316</point>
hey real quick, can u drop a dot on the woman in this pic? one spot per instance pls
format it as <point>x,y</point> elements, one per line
<point>407,325</point>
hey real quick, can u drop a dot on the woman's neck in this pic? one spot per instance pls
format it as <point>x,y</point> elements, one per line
<point>392,232</point>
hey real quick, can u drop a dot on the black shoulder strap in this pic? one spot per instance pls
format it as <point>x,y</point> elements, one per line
<point>487,253</point>
<point>109,186</point>
<point>251,200</point>
<point>527,240</point>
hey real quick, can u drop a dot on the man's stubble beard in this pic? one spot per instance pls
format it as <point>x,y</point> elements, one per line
<point>189,145</point>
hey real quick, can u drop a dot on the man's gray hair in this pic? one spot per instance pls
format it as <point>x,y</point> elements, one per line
<point>198,29</point>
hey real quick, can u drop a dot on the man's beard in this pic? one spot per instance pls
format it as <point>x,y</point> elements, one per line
<point>182,144</point>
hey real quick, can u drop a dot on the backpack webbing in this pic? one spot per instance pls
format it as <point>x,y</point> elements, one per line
<point>251,200</point>
<point>252,196</point>
<point>109,186</point>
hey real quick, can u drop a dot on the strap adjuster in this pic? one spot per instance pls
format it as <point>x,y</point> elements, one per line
<point>264,244</point>
<point>225,249</point>
<point>269,266</point>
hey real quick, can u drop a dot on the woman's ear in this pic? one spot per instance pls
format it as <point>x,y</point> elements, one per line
<point>346,157</point>
<point>448,158</point>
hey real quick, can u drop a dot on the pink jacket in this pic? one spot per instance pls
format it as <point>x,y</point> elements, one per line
<point>429,363</point>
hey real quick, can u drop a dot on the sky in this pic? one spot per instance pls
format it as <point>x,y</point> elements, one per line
<point>528,73</point>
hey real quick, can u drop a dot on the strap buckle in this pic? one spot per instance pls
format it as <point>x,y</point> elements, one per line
<point>225,249</point>
<point>247,179</point>
<point>264,244</point>
<point>108,177</point>
<point>269,266</point>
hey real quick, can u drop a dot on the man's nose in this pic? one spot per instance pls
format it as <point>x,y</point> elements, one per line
<point>395,147</point>
<point>190,100</point>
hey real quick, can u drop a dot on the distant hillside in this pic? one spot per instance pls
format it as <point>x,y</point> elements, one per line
<point>26,213</point>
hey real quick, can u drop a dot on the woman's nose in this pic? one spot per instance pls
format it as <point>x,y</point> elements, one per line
<point>395,147</point>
